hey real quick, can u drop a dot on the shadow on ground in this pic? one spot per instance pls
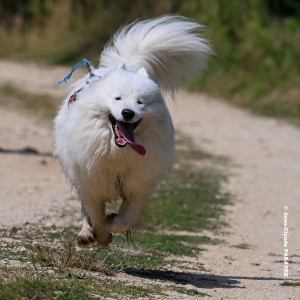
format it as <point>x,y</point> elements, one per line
<point>198,280</point>
<point>25,151</point>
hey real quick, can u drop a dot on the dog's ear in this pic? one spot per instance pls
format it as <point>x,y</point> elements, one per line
<point>142,72</point>
<point>121,66</point>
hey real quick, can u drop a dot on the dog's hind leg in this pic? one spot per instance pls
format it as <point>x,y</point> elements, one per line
<point>135,194</point>
<point>130,213</point>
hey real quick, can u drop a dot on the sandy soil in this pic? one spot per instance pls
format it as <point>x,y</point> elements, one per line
<point>264,173</point>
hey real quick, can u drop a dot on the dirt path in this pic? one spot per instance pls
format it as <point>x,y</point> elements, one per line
<point>264,177</point>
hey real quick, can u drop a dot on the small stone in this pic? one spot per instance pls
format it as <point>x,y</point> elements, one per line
<point>44,162</point>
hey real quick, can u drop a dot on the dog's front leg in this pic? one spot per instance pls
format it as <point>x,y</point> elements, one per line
<point>86,235</point>
<point>93,228</point>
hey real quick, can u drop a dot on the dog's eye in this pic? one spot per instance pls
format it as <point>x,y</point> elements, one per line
<point>139,102</point>
<point>118,98</point>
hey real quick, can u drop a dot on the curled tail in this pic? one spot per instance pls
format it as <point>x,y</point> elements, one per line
<point>169,47</point>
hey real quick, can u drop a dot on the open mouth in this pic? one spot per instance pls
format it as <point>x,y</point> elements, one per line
<point>124,134</point>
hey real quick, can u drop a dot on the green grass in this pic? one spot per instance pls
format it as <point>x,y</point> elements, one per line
<point>188,201</point>
<point>282,261</point>
<point>71,288</point>
<point>164,245</point>
<point>41,288</point>
<point>289,283</point>
<point>243,246</point>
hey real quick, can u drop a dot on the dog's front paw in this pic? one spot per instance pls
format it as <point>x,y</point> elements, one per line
<point>84,239</point>
<point>115,224</point>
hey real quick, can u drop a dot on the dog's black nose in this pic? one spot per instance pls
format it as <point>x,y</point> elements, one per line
<point>127,114</point>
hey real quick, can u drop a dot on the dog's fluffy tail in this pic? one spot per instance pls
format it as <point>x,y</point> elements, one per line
<point>169,47</point>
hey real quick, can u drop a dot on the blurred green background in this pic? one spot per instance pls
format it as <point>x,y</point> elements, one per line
<point>257,42</point>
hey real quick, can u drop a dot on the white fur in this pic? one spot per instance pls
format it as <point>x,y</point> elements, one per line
<point>142,60</point>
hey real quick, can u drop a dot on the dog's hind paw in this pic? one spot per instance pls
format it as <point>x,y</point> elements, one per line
<point>114,224</point>
<point>84,239</point>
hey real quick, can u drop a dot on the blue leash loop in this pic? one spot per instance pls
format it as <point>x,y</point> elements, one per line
<point>75,67</point>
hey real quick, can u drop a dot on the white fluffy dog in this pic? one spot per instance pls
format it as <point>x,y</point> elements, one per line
<point>114,135</point>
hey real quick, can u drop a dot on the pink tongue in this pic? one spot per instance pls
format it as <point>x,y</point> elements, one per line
<point>127,130</point>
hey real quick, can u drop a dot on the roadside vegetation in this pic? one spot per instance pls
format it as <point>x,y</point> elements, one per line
<point>257,47</point>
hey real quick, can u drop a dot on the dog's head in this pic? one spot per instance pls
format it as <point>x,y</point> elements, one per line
<point>126,99</point>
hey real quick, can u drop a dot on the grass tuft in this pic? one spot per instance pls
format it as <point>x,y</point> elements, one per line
<point>243,246</point>
<point>289,283</point>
